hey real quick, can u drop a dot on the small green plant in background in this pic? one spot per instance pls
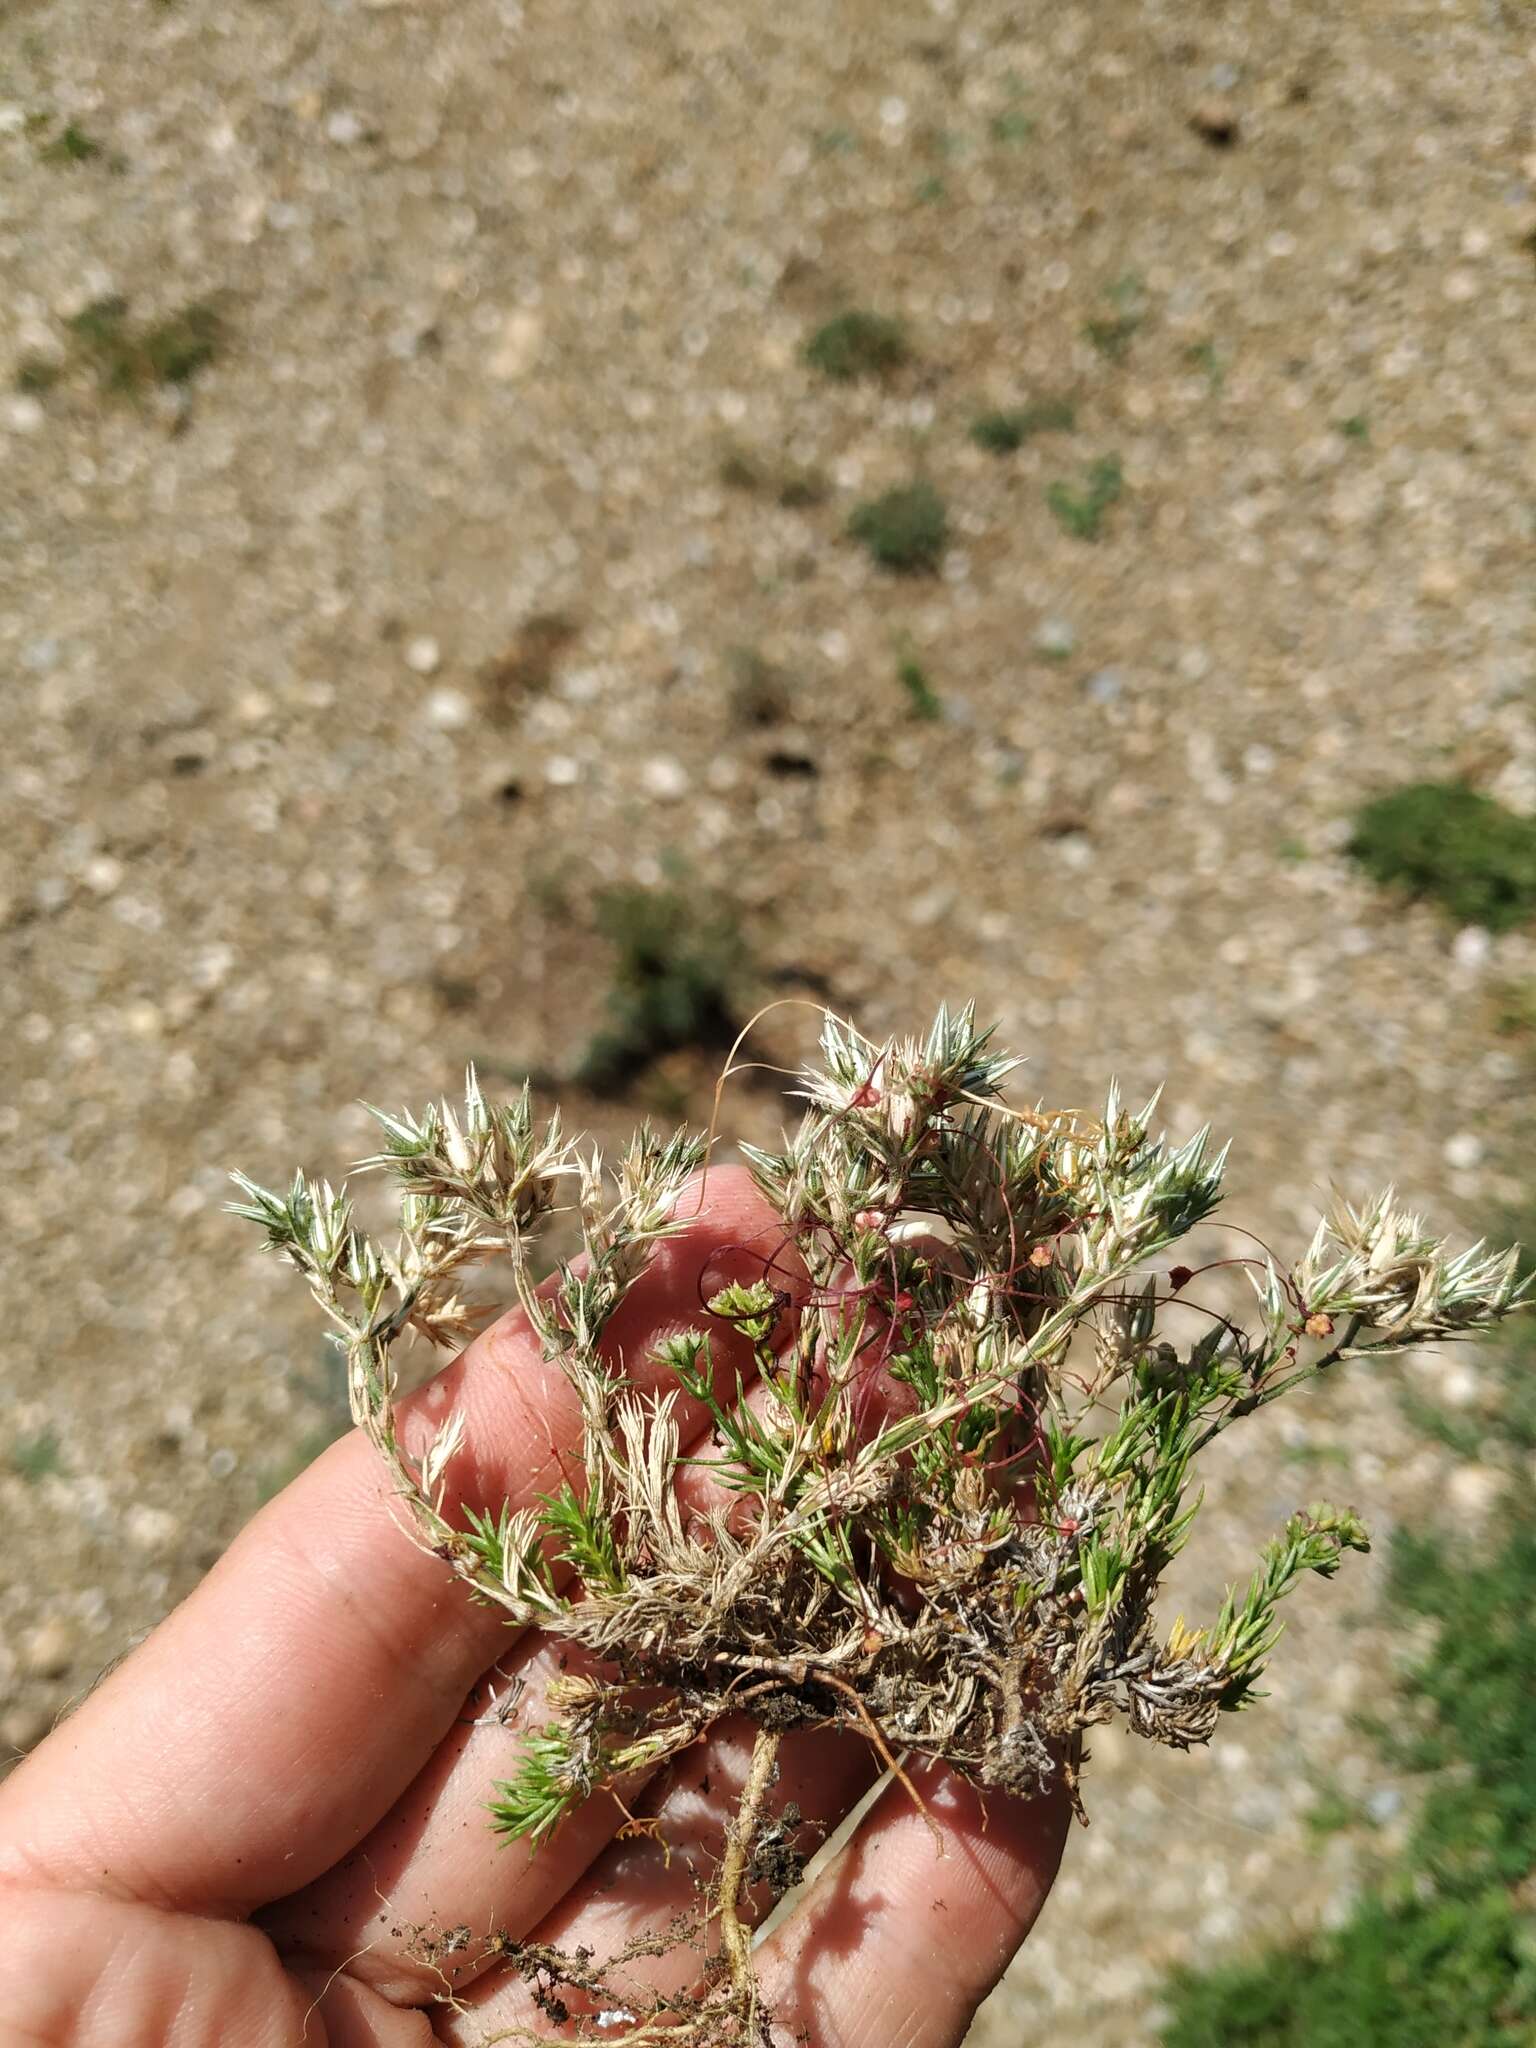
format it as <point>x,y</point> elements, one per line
<point>760,690</point>
<point>905,529</point>
<point>1012,127</point>
<point>793,485</point>
<point>1005,431</point>
<point>1112,335</point>
<point>1081,513</point>
<point>923,700</point>
<point>36,1457</point>
<point>858,344</point>
<point>36,375</point>
<point>678,962</point>
<point>128,357</point>
<point>1356,428</point>
<point>70,146</point>
<point>1447,842</point>
<point>1206,357</point>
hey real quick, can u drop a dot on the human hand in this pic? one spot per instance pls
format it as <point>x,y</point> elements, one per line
<point>268,1827</point>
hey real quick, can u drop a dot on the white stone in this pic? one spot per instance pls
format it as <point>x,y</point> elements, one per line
<point>1056,637</point>
<point>1472,947</point>
<point>103,874</point>
<point>449,710</point>
<point>423,655</point>
<point>665,777</point>
<point>1463,1151</point>
<point>150,1529</point>
<point>48,1650</point>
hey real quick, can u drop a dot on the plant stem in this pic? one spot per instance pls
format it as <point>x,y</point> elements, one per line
<point>735,1938</point>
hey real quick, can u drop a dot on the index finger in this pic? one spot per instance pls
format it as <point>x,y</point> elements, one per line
<point>270,1721</point>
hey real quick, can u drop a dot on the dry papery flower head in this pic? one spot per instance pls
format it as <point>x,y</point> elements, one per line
<point>967,1462</point>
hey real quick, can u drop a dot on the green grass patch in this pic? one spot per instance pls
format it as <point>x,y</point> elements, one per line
<point>1012,127</point>
<point>678,960</point>
<point>70,146</point>
<point>923,701</point>
<point>127,357</point>
<point>858,344</point>
<point>1207,358</point>
<point>1449,844</point>
<point>1003,432</point>
<point>906,530</point>
<point>1081,512</point>
<point>35,1457</point>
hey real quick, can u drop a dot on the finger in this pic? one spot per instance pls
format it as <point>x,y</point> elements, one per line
<point>432,1863</point>
<point>653,1883</point>
<point>271,1720</point>
<point>117,1973</point>
<point>897,1945</point>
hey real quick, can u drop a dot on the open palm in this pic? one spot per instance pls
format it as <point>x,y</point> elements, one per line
<point>268,1828</point>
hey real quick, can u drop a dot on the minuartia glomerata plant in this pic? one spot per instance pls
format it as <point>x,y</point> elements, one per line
<point>967,1464</point>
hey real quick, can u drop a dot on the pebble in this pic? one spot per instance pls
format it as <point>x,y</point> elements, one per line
<point>1384,1804</point>
<point>150,1529</point>
<point>102,874</point>
<point>449,710</point>
<point>665,778</point>
<point>423,656</point>
<point>344,127</point>
<point>1463,1151</point>
<point>1056,638</point>
<point>521,334</point>
<point>48,1650</point>
<point>1439,582</point>
<point>1471,947</point>
<point>1104,686</point>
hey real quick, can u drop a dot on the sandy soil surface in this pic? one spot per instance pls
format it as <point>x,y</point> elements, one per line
<point>498,558</point>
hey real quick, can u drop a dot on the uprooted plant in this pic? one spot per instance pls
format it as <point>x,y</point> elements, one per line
<point>966,1462</point>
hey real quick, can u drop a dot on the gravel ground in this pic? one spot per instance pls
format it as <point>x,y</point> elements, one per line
<point>498,555</point>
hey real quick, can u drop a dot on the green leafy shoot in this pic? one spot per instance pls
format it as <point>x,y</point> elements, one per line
<point>1081,512</point>
<point>1006,431</point>
<point>906,529</point>
<point>858,344</point>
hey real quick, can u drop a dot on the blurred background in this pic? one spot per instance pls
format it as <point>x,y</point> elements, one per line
<point>528,531</point>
